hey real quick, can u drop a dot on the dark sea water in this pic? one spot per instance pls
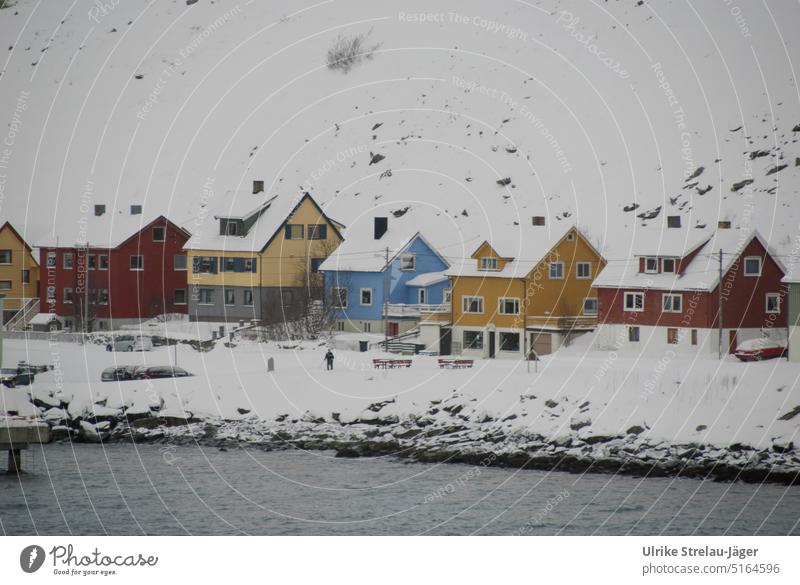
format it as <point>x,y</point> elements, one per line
<point>124,489</point>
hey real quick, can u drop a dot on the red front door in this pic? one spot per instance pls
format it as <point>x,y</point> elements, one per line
<point>732,345</point>
<point>394,329</point>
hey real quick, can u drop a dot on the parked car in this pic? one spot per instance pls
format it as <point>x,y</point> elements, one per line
<point>152,372</point>
<point>759,349</point>
<point>117,373</point>
<point>129,343</point>
<point>12,377</point>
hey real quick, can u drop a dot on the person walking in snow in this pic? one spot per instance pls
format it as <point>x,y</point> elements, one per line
<point>329,359</point>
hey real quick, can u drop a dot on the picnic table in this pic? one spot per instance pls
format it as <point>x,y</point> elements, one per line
<point>385,363</point>
<point>454,363</point>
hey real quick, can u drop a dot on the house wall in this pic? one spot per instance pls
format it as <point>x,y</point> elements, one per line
<point>21,259</point>
<point>427,261</point>
<point>793,320</point>
<point>434,294</point>
<point>354,282</point>
<point>698,308</point>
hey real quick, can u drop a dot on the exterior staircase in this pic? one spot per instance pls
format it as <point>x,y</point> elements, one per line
<point>401,343</point>
<point>20,320</point>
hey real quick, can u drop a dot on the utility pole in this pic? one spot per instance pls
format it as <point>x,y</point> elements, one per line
<point>386,301</point>
<point>86,289</point>
<point>719,304</point>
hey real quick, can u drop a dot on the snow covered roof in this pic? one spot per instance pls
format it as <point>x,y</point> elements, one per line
<point>428,278</point>
<point>701,274</point>
<point>792,271</point>
<point>677,243</point>
<point>108,230</point>
<point>42,319</point>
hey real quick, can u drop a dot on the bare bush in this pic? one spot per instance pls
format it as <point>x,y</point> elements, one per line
<point>348,51</point>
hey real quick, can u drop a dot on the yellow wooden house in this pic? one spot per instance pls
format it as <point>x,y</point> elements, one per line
<point>19,277</point>
<point>257,257</point>
<point>523,293</point>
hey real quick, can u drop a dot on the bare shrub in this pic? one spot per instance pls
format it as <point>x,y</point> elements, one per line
<point>348,51</point>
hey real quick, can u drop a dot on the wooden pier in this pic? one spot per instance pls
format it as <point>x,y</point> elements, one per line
<point>16,434</point>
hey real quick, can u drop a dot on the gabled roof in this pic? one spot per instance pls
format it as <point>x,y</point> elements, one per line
<point>701,274</point>
<point>428,279</point>
<point>8,225</point>
<point>110,230</point>
<point>274,211</point>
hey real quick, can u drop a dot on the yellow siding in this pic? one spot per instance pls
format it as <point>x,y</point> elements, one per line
<point>491,289</point>
<point>21,259</point>
<point>486,251</point>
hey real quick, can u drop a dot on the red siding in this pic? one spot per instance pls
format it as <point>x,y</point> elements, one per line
<point>696,309</point>
<point>132,294</point>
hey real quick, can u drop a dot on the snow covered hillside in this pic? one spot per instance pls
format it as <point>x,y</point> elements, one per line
<point>588,109</point>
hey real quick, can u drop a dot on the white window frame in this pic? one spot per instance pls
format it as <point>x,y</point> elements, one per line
<point>501,303</point>
<point>466,299</point>
<point>185,296</point>
<point>231,228</point>
<point>64,295</point>
<point>488,264</point>
<point>550,270</point>
<point>71,257</point>
<point>51,259</point>
<point>671,298</point>
<point>631,329</point>
<point>596,307</point>
<point>100,262</point>
<point>130,263</point>
<point>777,298</point>
<point>578,271</point>
<point>501,335</point>
<point>422,296</point>
<point>447,295</point>
<point>336,298</point>
<point>185,262</point>
<point>200,296</point>
<point>650,259</point>
<point>10,257</point>
<point>478,333</point>
<point>744,266</point>
<point>163,233</point>
<point>674,265</point>
<point>404,260</point>
<point>100,293</point>
<point>244,297</point>
<point>225,292</point>
<point>625,301</point>
<point>571,236</point>
<point>361,297</point>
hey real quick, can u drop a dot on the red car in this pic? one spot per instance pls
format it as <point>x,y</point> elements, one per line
<point>759,349</point>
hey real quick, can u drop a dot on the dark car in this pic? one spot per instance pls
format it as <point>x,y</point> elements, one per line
<point>153,372</point>
<point>759,349</point>
<point>117,373</point>
<point>16,376</point>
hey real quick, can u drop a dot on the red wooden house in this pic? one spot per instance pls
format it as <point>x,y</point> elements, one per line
<point>669,295</point>
<point>127,270</point>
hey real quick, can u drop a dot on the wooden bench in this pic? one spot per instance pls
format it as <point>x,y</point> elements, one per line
<point>385,363</point>
<point>453,364</point>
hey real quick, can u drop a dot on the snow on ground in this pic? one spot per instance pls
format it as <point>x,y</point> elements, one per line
<point>575,390</point>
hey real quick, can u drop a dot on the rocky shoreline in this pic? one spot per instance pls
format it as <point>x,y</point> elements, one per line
<point>443,434</point>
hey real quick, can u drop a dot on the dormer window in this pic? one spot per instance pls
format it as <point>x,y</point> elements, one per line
<point>651,265</point>
<point>668,265</point>
<point>488,264</point>
<point>231,229</point>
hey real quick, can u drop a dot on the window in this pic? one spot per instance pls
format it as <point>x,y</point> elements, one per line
<point>339,297</point>
<point>473,339</point>
<point>26,277</point>
<point>68,261</point>
<point>651,265</point>
<point>509,341</point>
<point>103,261</point>
<point>248,297</point>
<point>672,335</point>
<point>556,270</point>
<point>136,210</point>
<point>250,264</point>
<point>633,334</point>
<point>91,261</point>
<point>99,210</point>
<point>590,306</point>
<point>228,264</point>
<point>422,296</point>
<point>472,304</point>
<point>51,294</point>
<point>773,303</point>
<point>204,264</point>
<point>231,228</point>
<point>408,262</point>
<point>752,266</point>
<point>51,259</point>
<point>668,265</point>
<point>315,263</point>
<point>5,256</point>
<point>367,326</point>
<point>694,336</point>
<point>179,262</point>
<point>366,297</point>
<point>673,221</point>
<point>179,296</point>
<point>206,296</point>
<point>488,264</point>
<point>5,284</point>
<point>293,231</point>
<point>102,296</point>
<point>318,232</point>
<point>634,301</point>
<point>508,306</point>
<point>137,262</point>
<point>671,303</point>
<point>537,220</point>
<point>68,295</point>
<point>230,296</point>
<point>447,295</point>
<point>159,234</point>
<point>583,270</point>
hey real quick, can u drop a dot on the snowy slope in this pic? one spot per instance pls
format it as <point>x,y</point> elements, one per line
<point>586,107</point>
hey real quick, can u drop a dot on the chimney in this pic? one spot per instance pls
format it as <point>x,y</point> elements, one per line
<point>136,210</point>
<point>724,225</point>
<point>381,226</point>
<point>258,187</point>
<point>538,220</point>
<point>673,221</point>
<point>99,210</point>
